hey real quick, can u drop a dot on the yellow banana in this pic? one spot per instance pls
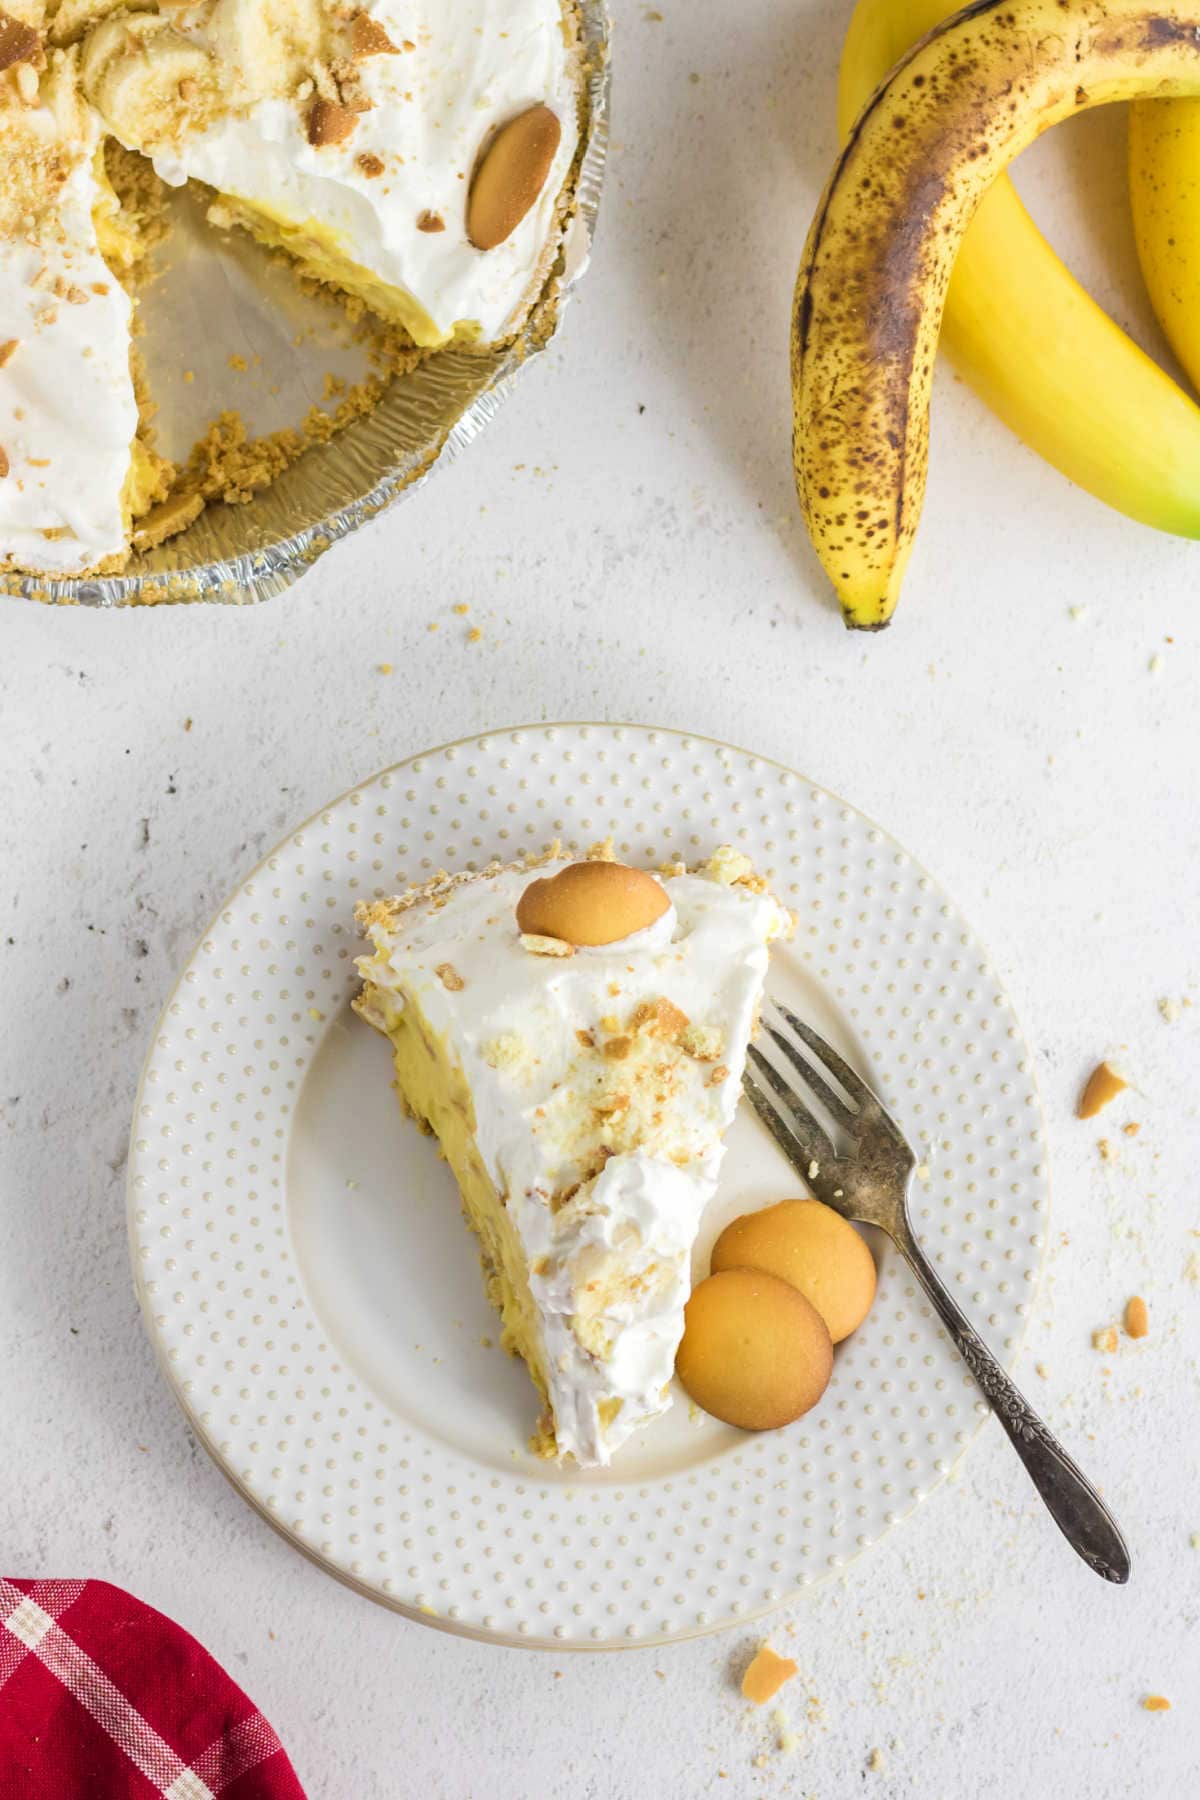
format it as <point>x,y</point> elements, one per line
<point>877,264</point>
<point>1164,186</point>
<point>1033,343</point>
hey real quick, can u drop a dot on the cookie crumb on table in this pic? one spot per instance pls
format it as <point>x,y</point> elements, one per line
<point>766,1675</point>
<point>1101,1087</point>
<point>1137,1318</point>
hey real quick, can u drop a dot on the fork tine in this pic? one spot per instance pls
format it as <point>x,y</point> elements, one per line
<point>801,1156</point>
<point>853,1083</point>
<point>797,1132</point>
<point>770,1118</point>
<point>834,1105</point>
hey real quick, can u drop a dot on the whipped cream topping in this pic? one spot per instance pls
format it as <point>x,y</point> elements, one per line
<point>655,936</point>
<point>67,408</point>
<point>602,1135</point>
<point>392,197</point>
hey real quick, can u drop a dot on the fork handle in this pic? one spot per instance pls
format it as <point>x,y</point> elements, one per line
<point>1070,1498</point>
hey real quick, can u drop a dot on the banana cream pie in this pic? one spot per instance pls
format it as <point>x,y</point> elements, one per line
<point>574,1033</point>
<point>415,154</point>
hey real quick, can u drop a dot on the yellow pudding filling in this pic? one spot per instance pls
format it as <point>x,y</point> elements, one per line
<point>434,1091</point>
<point>116,234</point>
<point>148,480</point>
<point>318,254</point>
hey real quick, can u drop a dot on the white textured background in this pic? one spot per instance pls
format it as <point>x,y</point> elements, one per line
<point>627,540</point>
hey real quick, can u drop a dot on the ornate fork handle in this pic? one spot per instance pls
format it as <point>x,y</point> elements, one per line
<point>1072,1501</point>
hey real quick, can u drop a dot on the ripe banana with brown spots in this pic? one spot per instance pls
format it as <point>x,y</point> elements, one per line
<point>1032,342</point>
<point>923,152</point>
<point>1164,190</point>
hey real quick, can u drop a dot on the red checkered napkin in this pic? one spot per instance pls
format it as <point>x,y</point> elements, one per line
<point>102,1698</point>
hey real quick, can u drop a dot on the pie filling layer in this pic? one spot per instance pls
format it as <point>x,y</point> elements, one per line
<point>433,1091</point>
<point>319,254</point>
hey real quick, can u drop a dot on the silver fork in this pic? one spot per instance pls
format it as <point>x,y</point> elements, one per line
<point>869,1183</point>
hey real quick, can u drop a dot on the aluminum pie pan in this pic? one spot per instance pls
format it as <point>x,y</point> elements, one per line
<point>236,555</point>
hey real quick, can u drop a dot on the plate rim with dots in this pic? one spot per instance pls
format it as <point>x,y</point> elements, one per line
<point>733,1573</point>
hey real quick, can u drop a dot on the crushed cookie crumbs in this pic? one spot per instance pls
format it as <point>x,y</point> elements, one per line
<point>766,1674</point>
<point>368,38</point>
<point>1101,1088</point>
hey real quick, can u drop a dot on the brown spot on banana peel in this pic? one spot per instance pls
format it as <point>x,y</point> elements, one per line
<point>1159,31</point>
<point>872,283</point>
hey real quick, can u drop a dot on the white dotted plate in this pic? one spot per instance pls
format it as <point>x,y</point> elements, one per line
<point>315,1297</point>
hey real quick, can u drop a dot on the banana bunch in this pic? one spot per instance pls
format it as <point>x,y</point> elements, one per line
<point>918,216</point>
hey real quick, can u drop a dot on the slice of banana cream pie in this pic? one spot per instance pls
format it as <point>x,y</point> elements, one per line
<point>574,1034</point>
